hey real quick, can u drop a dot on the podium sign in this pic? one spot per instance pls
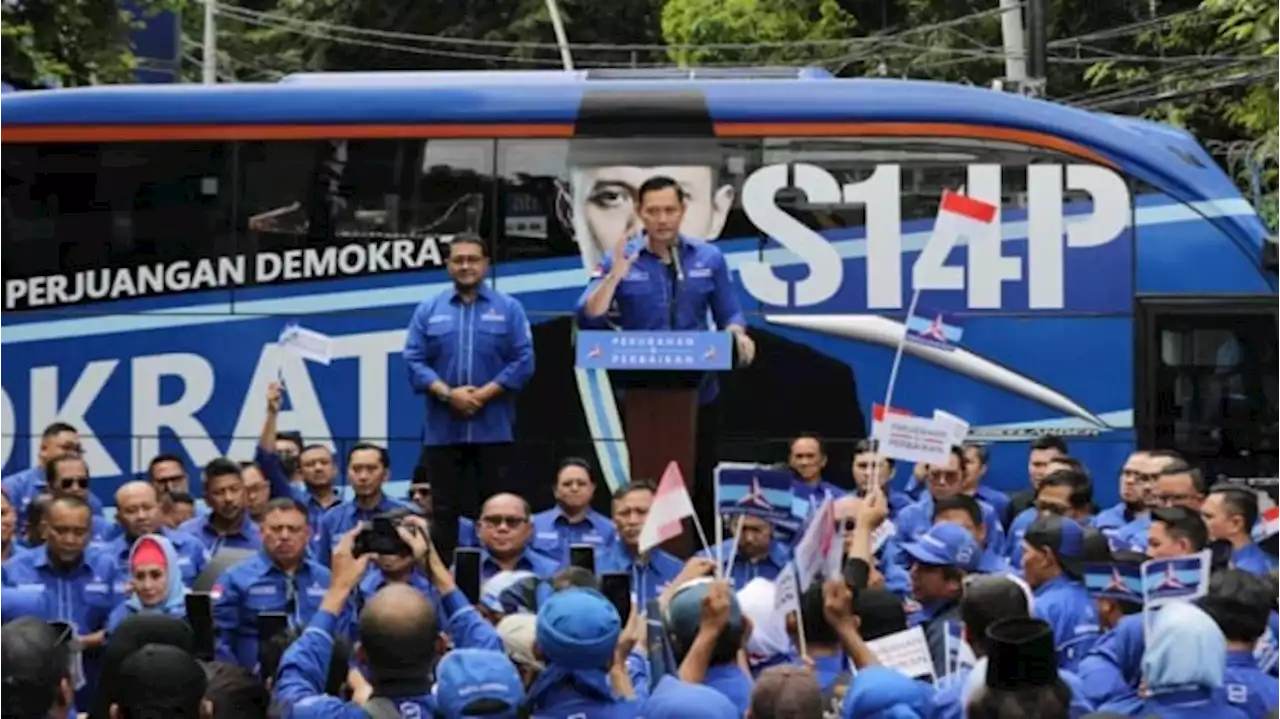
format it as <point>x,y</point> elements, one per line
<point>655,351</point>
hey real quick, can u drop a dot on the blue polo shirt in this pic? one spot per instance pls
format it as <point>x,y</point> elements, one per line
<point>743,570</point>
<point>554,534</point>
<point>256,586</point>
<point>343,517</point>
<point>530,561</point>
<point>460,343</point>
<point>650,297</point>
<point>246,536</point>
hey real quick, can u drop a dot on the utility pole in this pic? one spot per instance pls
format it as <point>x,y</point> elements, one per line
<point>1038,45</point>
<point>1014,36</point>
<point>561,39</point>
<point>209,69</point>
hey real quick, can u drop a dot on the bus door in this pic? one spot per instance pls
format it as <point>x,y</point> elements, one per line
<point>1207,373</point>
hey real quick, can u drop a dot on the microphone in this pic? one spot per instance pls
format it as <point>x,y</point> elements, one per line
<point>675,260</point>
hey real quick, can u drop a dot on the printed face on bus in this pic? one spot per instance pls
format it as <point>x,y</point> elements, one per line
<point>610,209</point>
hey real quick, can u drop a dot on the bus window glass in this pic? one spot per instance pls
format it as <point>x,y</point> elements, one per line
<point>1217,381</point>
<point>340,208</point>
<point>535,218</point>
<point>114,221</point>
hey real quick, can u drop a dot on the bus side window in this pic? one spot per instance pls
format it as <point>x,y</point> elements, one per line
<point>71,208</point>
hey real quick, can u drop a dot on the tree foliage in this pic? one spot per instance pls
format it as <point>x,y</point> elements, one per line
<point>690,23</point>
<point>66,43</point>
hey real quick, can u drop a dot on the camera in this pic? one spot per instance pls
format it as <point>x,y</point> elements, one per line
<point>380,537</point>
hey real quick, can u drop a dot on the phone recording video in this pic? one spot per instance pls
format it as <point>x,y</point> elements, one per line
<point>616,587</point>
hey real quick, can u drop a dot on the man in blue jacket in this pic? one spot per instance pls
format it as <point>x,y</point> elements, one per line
<point>469,349</point>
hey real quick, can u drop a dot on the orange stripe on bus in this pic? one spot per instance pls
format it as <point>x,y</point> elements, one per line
<point>910,129</point>
<point>169,133</point>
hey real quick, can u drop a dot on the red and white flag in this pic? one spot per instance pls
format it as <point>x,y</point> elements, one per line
<point>671,504</point>
<point>962,216</point>
<point>820,549</point>
<point>877,418</point>
<point>1271,522</point>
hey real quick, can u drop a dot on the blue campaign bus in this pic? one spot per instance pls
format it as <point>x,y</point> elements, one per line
<point>157,239</point>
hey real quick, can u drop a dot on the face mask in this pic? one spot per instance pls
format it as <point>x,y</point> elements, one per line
<point>290,464</point>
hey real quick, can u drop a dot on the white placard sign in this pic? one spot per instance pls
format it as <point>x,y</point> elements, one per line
<point>915,439</point>
<point>906,652</point>
<point>958,428</point>
<point>307,344</point>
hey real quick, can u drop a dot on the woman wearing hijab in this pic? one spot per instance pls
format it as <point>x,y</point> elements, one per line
<point>157,585</point>
<point>1184,664</point>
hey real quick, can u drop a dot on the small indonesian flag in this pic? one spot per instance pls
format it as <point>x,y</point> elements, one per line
<point>1271,522</point>
<point>877,418</point>
<point>671,505</point>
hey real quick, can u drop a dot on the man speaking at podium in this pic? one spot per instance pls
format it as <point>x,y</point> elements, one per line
<point>661,280</point>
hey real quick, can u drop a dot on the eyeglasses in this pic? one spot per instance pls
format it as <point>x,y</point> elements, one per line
<point>497,520</point>
<point>171,479</point>
<point>945,476</point>
<point>1170,500</point>
<point>71,482</point>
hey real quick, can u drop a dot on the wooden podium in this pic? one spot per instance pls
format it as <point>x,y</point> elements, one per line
<point>658,376</point>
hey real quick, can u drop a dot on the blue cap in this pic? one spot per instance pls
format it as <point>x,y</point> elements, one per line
<point>467,676</point>
<point>21,602</point>
<point>578,629</point>
<point>946,544</point>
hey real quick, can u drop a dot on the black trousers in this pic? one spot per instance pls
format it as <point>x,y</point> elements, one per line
<point>707,445</point>
<point>462,477</point>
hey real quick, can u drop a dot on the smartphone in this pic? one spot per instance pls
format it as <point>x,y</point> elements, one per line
<point>381,537</point>
<point>616,587</point>
<point>271,624</point>
<point>200,617</point>
<point>466,572</point>
<point>584,556</point>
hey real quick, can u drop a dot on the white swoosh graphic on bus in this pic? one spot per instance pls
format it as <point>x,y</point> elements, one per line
<point>887,332</point>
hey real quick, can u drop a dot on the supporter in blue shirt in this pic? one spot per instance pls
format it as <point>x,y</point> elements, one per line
<point>808,459</point>
<point>674,699</point>
<point>156,583</point>
<point>64,571</point>
<point>947,481</point>
<point>385,570</point>
<point>1240,602</point>
<point>1054,554</point>
<point>1112,669</point>
<point>227,524</point>
<point>1133,483</point>
<point>977,459</point>
<point>650,572</point>
<point>469,350</point>
<point>314,463</point>
<point>572,521</point>
<point>281,578</point>
<point>68,475</point>
<point>368,468</point>
<point>966,511</point>
<point>940,560</point>
<point>757,555</point>
<point>1184,666</point>
<point>138,514</point>
<point>1229,514</point>
<point>709,606</point>
<point>870,467</point>
<point>882,543</point>
<point>1167,481</point>
<point>1119,605</point>
<point>1065,492</point>
<point>399,639</point>
<point>58,440</point>
<point>506,529</point>
<point>8,527</point>
<point>822,642</point>
<point>577,635</point>
<point>987,600</point>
